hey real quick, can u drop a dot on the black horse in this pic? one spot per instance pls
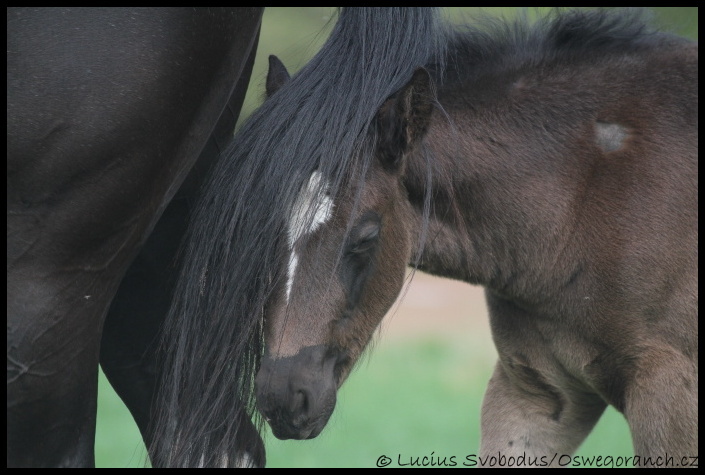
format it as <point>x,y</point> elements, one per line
<point>556,165</point>
<point>115,118</point>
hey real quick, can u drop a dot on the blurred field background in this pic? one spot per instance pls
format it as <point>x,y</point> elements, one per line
<point>418,391</point>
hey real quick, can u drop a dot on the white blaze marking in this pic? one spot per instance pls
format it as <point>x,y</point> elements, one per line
<point>311,210</point>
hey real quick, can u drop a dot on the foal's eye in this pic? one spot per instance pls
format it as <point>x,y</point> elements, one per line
<point>366,239</point>
<point>364,235</point>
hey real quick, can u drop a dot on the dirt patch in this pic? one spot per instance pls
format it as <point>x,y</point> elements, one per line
<point>433,306</point>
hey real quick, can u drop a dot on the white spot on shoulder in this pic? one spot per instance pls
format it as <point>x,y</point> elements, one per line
<point>312,209</point>
<point>609,136</point>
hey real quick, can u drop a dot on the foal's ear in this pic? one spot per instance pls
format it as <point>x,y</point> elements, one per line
<point>277,75</point>
<point>404,118</point>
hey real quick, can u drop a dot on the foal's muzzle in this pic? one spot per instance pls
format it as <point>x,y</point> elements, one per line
<point>297,394</point>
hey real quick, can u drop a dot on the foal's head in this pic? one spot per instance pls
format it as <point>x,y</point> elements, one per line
<point>348,251</point>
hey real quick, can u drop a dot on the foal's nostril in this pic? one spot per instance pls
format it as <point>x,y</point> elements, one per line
<point>299,404</point>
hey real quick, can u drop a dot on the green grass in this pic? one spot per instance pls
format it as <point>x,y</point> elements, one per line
<point>118,443</point>
<point>405,400</point>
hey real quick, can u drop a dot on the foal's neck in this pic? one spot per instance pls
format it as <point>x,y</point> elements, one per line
<point>555,184</point>
<point>492,222</point>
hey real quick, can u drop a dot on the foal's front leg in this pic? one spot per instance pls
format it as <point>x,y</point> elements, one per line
<point>527,421</point>
<point>661,408</point>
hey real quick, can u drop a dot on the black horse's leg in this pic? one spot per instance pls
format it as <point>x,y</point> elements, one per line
<point>104,122</point>
<point>52,363</point>
<point>131,333</point>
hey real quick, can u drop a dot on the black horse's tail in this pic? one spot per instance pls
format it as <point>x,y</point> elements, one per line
<point>213,337</point>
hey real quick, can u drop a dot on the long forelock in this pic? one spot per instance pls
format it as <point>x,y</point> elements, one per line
<point>234,249</point>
